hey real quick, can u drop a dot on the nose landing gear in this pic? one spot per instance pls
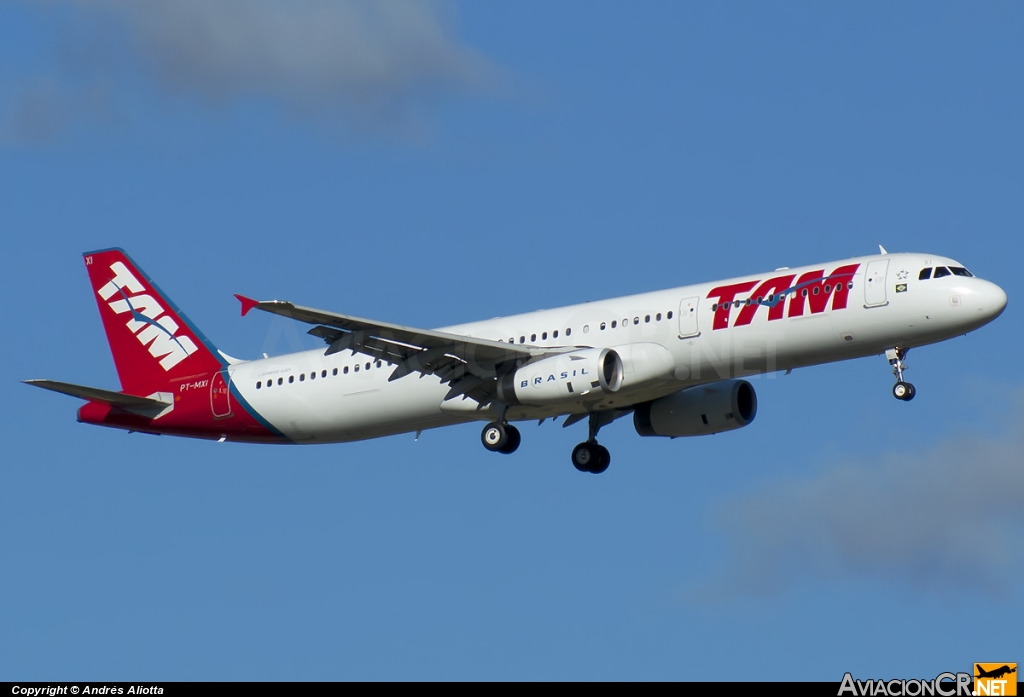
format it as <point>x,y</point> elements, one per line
<point>901,390</point>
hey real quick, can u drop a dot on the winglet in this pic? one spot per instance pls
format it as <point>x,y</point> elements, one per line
<point>247,303</point>
<point>881,250</point>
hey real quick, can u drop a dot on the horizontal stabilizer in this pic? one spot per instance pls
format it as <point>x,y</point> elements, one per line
<point>95,394</point>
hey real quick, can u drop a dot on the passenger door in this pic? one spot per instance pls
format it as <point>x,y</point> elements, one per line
<point>874,283</point>
<point>220,395</point>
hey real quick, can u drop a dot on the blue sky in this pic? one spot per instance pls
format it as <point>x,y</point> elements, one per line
<point>433,163</point>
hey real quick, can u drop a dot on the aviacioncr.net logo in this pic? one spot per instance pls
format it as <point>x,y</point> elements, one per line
<point>995,679</point>
<point>944,685</point>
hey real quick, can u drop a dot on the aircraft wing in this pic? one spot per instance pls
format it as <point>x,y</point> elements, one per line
<point>468,364</point>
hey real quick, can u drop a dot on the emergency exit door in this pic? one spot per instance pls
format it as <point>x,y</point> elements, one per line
<point>688,318</point>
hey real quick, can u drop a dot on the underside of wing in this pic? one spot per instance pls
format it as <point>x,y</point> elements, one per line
<point>469,365</point>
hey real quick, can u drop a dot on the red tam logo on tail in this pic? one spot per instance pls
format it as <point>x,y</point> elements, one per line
<point>143,327</point>
<point>158,333</point>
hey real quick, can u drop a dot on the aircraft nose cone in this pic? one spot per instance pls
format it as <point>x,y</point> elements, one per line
<point>994,300</point>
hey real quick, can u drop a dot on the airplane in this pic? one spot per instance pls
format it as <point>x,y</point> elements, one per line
<point>996,673</point>
<point>673,359</point>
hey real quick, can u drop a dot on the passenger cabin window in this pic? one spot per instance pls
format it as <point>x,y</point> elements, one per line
<point>555,335</point>
<point>259,384</point>
<point>925,274</point>
<point>291,378</point>
<point>960,271</point>
<point>280,381</point>
<point>568,331</point>
<point>544,336</point>
<point>669,315</point>
<point>941,271</point>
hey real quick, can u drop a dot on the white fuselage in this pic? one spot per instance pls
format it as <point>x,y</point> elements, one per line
<point>673,339</point>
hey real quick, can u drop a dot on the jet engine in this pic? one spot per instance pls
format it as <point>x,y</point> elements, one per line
<point>698,411</point>
<point>567,377</point>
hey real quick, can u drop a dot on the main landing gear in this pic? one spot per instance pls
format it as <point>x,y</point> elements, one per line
<point>901,390</point>
<point>590,456</point>
<point>501,437</point>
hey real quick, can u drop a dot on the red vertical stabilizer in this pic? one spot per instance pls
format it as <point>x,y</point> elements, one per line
<point>152,342</point>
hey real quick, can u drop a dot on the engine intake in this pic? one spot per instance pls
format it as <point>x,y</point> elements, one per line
<point>698,411</point>
<point>567,377</point>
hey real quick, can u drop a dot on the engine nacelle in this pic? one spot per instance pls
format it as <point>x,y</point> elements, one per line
<point>698,411</point>
<point>644,363</point>
<point>567,377</point>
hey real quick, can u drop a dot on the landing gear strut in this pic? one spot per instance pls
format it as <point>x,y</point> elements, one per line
<point>901,390</point>
<point>501,437</point>
<point>590,456</point>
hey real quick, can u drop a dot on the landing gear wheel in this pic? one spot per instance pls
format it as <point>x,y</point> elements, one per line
<point>584,455</point>
<point>591,457</point>
<point>514,439</point>
<point>903,391</point>
<point>495,436</point>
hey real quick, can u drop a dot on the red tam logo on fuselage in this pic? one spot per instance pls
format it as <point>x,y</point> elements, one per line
<point>158,331</point>
<point>813,289</point>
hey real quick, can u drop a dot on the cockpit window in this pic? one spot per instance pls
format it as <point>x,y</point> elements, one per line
<point>960,271</point>
<point>925,274</point>
<point>941,271</point>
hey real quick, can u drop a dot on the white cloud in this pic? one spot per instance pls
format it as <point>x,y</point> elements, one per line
<point>303,52</point>
<point>43,109</point>
<point>370,63</point>
<point>944,518</point>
